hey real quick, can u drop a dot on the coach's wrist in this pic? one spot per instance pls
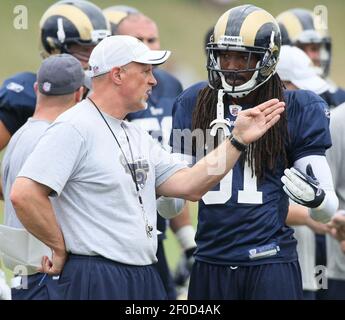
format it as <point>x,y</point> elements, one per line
<point>239,135</point>
<point>237,142</point>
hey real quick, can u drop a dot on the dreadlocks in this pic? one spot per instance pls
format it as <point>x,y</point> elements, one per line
<point>265,152</point>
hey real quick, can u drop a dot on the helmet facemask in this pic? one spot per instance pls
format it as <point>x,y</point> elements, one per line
<point>251,38</point>
<point>260,62</point>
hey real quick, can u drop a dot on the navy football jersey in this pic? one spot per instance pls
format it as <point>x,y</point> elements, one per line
<point>17,100</point>
<point>242,221</point>
<point>157,119</point>
<point>335,97</point>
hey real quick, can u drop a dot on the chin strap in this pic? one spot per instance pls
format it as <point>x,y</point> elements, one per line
<point>220,122</point>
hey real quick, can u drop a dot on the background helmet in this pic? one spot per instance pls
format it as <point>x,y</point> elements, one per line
<point>246,29</point>
<point>299,27</point>
<point>72,22</point>
<point>115,14</point>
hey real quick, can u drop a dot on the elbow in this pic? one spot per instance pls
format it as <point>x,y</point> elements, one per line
<point>193,195</point>
<point>16,199</point>
<point>18,196</point>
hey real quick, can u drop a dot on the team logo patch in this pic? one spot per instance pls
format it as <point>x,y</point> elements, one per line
<point>234,109</point>
<point>328,113</point>
<point>16,87</point>
<point>140,167</point>
<point>46,86</point>
<point>95,69</point>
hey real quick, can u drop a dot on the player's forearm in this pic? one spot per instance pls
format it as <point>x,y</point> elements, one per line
<point>181,220</point>
<point>36,213</point>
<point>326,210</point>
<point>297,215</point>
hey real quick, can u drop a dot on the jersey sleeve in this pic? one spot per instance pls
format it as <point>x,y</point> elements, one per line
<point>308,118</point>
<point>17,100</point>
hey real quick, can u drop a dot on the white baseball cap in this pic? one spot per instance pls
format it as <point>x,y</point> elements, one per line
<point>294,65</point>
<point>117,51</point>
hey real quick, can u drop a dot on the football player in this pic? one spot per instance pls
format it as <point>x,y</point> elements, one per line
<point>299,29</point>
<point>244,248</point>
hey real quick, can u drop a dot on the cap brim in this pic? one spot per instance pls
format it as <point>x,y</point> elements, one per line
<point>315,84</point>
<point>154,57</point>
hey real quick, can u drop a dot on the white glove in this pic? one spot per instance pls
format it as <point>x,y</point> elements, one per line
<point>303,188</point>
<point>169,208</point>
<point>5,290</point>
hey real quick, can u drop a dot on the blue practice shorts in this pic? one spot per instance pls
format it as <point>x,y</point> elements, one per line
<point>321,260</point>
<point>98,278</point>
<point>39,287</point>
<point>309,295</point>
<point>276,281</point>
<point>164,272</point>
<point>335,291</point>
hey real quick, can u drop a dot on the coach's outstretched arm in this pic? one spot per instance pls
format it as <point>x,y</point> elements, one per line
<point>251,124</point>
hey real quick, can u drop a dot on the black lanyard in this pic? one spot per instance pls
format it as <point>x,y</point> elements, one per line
<point>132,170</point>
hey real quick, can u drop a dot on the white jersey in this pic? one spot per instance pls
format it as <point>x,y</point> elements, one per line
<point>96,201</point>
<point>19,148</point>
<point>335,157</point>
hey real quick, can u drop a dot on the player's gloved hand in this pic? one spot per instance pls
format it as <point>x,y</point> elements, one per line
<point>303,188</point>
<point>5,290</point>
<point>184,268</point>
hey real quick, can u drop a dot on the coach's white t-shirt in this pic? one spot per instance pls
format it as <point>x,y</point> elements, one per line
<point>96,201</point>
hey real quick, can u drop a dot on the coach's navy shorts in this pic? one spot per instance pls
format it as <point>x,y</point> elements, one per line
<point>276,281</point>
<point>164,272</point>
<point>98,278</point>
<point>39,287</point>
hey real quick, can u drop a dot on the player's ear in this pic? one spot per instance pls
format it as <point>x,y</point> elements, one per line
<point>36,87</point>
<point>78,95</point>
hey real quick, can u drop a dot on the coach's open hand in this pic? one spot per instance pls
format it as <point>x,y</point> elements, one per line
<point>253,123</point>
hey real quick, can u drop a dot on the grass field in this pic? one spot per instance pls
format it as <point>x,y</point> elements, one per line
<point>182,24</point>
